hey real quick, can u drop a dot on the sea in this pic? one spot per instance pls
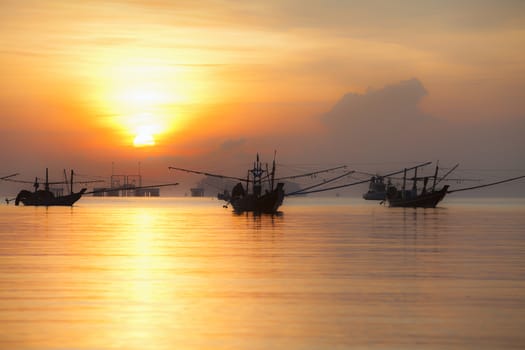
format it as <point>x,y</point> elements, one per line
<point>324,273</point>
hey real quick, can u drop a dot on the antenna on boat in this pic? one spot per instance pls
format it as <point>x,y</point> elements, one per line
<point>414,185</point>
<point>66,180</point>
<point>47,180</point>
<point>273,169</point>
<point>435,176</point>
<point>269,178</point>
<point>404,182</point>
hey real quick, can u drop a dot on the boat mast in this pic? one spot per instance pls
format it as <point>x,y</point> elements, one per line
<point>435,177</point>
<point>71,184</point>
<point>66,180</point>
<point>414,185</point>
<point>247,181</point>
<point>257,172</point>
<point>273,170</point>
<point>404,183</point>
<point>47,180</point>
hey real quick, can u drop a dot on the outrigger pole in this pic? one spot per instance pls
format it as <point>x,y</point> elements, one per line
<point>8,176</point>
<point>311,174</point>
<point>487,185</point>
<point>206,173</point>
<point>301,191</point>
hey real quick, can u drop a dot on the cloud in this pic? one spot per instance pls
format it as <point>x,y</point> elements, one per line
<point>387,125</point>
<point>381,124</point>
<point>391,104</point>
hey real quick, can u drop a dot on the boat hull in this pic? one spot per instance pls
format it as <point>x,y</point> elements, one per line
<point>425,200</point>
<point>374,196</point>
<point>268,203</point>
<point>47,198</point>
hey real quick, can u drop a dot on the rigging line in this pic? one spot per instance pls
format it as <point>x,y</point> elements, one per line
<point>487,185</point>
<point>299,192</point>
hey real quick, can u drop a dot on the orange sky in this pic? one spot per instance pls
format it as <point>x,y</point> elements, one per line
<point>179,78</point>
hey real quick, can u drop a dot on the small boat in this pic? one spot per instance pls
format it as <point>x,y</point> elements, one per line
<point>46,197</point>
<point>414,198</point>
<point>376,189</point>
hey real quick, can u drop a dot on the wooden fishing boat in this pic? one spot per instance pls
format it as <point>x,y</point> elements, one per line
<point>46,197</point>
<point>415,198</point>
<point>260,191</point>
<point>411,199</point>
<point>430,198</point>
<point>257,201</point>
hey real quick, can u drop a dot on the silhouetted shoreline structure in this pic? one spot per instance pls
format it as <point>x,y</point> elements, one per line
<point>126,186</point>
<point>197,192</point>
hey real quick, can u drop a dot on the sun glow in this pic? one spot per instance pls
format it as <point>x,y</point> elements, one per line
<point>141,98</point>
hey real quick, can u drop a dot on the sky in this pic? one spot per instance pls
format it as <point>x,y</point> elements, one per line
<point>101,86</point>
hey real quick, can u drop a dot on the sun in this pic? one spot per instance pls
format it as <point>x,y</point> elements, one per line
<point>145,127</point>
<point>144,138</point>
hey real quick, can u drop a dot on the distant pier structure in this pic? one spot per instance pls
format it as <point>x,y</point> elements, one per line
<point>197,192</point>
<point>126,186</point>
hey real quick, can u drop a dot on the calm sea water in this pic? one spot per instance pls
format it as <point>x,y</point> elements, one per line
<point>184,273</point>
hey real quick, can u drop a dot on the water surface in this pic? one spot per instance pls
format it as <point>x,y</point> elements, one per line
<point>185,273</point>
